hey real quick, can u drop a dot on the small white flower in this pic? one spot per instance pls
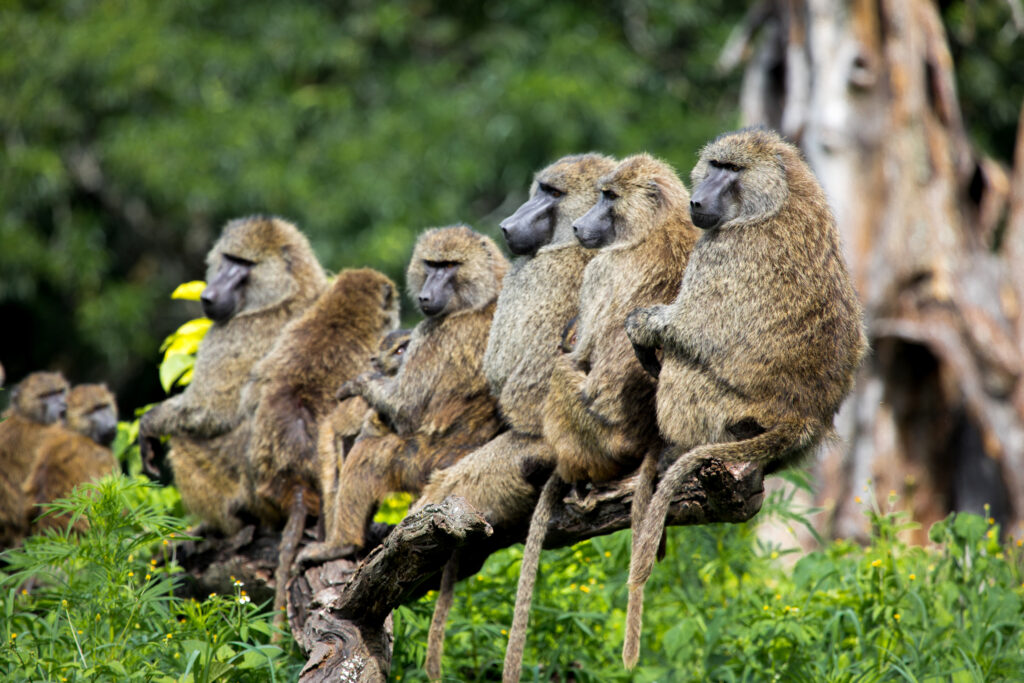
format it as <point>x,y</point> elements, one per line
<point>243,600</point>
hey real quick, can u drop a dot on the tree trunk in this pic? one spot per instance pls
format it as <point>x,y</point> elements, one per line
<point>866,88</point>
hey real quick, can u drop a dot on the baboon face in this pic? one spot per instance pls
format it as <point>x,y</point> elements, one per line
<point>438,287</point>
<point>53,406</point>
<point>92,412</point>
<point>533,224</point>
<point>391,352</point>
<point>739,179</point>
<point>717,199</point>
<point>596,228</point>
<point>225,291</point>
<point>41,397</point>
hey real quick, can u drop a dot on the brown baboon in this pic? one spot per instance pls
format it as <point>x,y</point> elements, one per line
<point>351,417</point>
<point>261,274</point>
<point>38,404</point>
<point>599,413</point>
<point>438,404</point>
<point>761,345</point>
<point>74,455</point>
<point>538,299</point>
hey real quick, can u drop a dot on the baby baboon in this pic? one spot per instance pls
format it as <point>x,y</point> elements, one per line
<point>438,404</point>
<point>761,345</point>
<point>261,274</point>
<point>351,416</point>
<point>538,298</point>
<point>74,455</point>
<point>38,404</point>
<point>599,412</point>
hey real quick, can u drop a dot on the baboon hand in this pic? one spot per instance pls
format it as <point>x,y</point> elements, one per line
<point>638,325</point>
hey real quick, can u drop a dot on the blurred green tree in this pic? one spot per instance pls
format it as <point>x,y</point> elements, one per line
<point>133,130</point>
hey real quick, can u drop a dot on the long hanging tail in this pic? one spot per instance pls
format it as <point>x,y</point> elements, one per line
<point>289,546</point>
<point>528,577</point>
<point>643,493</point>
<point>435,637</point>
<point>763,448</point>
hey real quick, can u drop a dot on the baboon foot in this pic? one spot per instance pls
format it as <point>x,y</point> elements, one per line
<point>318,553</point>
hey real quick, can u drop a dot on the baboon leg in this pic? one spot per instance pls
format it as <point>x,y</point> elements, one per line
<point>200,475</point>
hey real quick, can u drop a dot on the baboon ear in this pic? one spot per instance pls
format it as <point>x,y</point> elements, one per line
<point>388,294</point>
<point>286,254</point>
<point>654,192</point>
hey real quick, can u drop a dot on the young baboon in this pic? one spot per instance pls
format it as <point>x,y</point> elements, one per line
<point>73,455</point>
<point>261,274</point>
<point>539,297</point>
<point>438,404</point>
<point>352,416</point>
<point>761,345</point>
<point>599,413</point>
<point>38,404</point>
<point>292,390</point>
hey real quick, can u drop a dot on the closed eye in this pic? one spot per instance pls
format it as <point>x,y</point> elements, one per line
<point>725,165</point>
<point>609,195</point>
<point>553,191</point>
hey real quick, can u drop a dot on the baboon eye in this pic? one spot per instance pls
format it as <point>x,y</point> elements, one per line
<point>609,195</point>
<point>553,191</point>
<point>725,165</point>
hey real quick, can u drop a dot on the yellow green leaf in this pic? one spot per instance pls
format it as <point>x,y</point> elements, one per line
<point>189,291</point>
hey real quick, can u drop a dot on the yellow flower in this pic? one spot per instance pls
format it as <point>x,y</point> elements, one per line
<point>147,577</point>
<point>130,574</point>
<point>991,520</point>
<point>858,500</point>
<point>63,603</point>
<point>876,563</point>
<point>607,553</point>
<point>24,591</point>
<point>585,589</point>
<point>168,636</point>
<point>504,632</point>
<point>896,616</point>
<point>13,636</point>
<point>778,597</point>
<point>79,630</point>
<point>765,608</point>
<point>775,555</point>
<point>211,596</point>
<point>1020,542</point>
<point>912,577</point>
<point>165,542</point>
<point>215,637</point>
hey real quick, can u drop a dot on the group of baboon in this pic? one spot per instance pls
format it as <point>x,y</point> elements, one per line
<point>638,326</point>
<point>52,438</point>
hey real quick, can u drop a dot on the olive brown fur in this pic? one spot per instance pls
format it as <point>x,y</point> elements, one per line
<point>761,346</point>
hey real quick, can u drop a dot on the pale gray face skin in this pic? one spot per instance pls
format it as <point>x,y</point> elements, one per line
<point>102,425</point>
<point>533,224</point>
<point>596,228</point>
<point>438,288</point>
<point>55,407</point>
<point>715,201</point>
<point>223,295</point>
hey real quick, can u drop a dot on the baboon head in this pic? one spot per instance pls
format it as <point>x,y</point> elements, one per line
<point>560,194</point>
<point>739,179</point>
<point>258,262</point>
<point>92,412</point>
<point>634,198</point>
<point>454,269</point>
<point>41,397</point>
<point>391,352</point>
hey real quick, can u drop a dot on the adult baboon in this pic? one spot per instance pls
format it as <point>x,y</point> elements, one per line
<point>261,274</point>
<point>38,404</point>
<point>761,345</point>
<point>74,455</point>
<point>539,297</point>
<point>438,404</point>
<point>599,412</point>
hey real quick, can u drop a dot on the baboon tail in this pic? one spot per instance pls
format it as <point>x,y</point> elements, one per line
<point>760,449</point>
<point>528,577</point>
<point>435,637</point>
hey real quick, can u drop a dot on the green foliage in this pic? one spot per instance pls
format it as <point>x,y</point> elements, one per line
<point>101,606</point>
<point>132,131</point>
<point>723,606</point>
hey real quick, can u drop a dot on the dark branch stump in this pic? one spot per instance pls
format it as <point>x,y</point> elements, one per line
<point>339,611</point>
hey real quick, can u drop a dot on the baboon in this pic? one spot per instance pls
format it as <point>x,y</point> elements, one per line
<point>73,455</point>
<point>538,299</point>
<point>438,405</point>
<point>351,416</point>
<point>599,412</point>
<point>761,345</point>
<point>38,405</point>
<point>261,273</point>
<point>92,412</point>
